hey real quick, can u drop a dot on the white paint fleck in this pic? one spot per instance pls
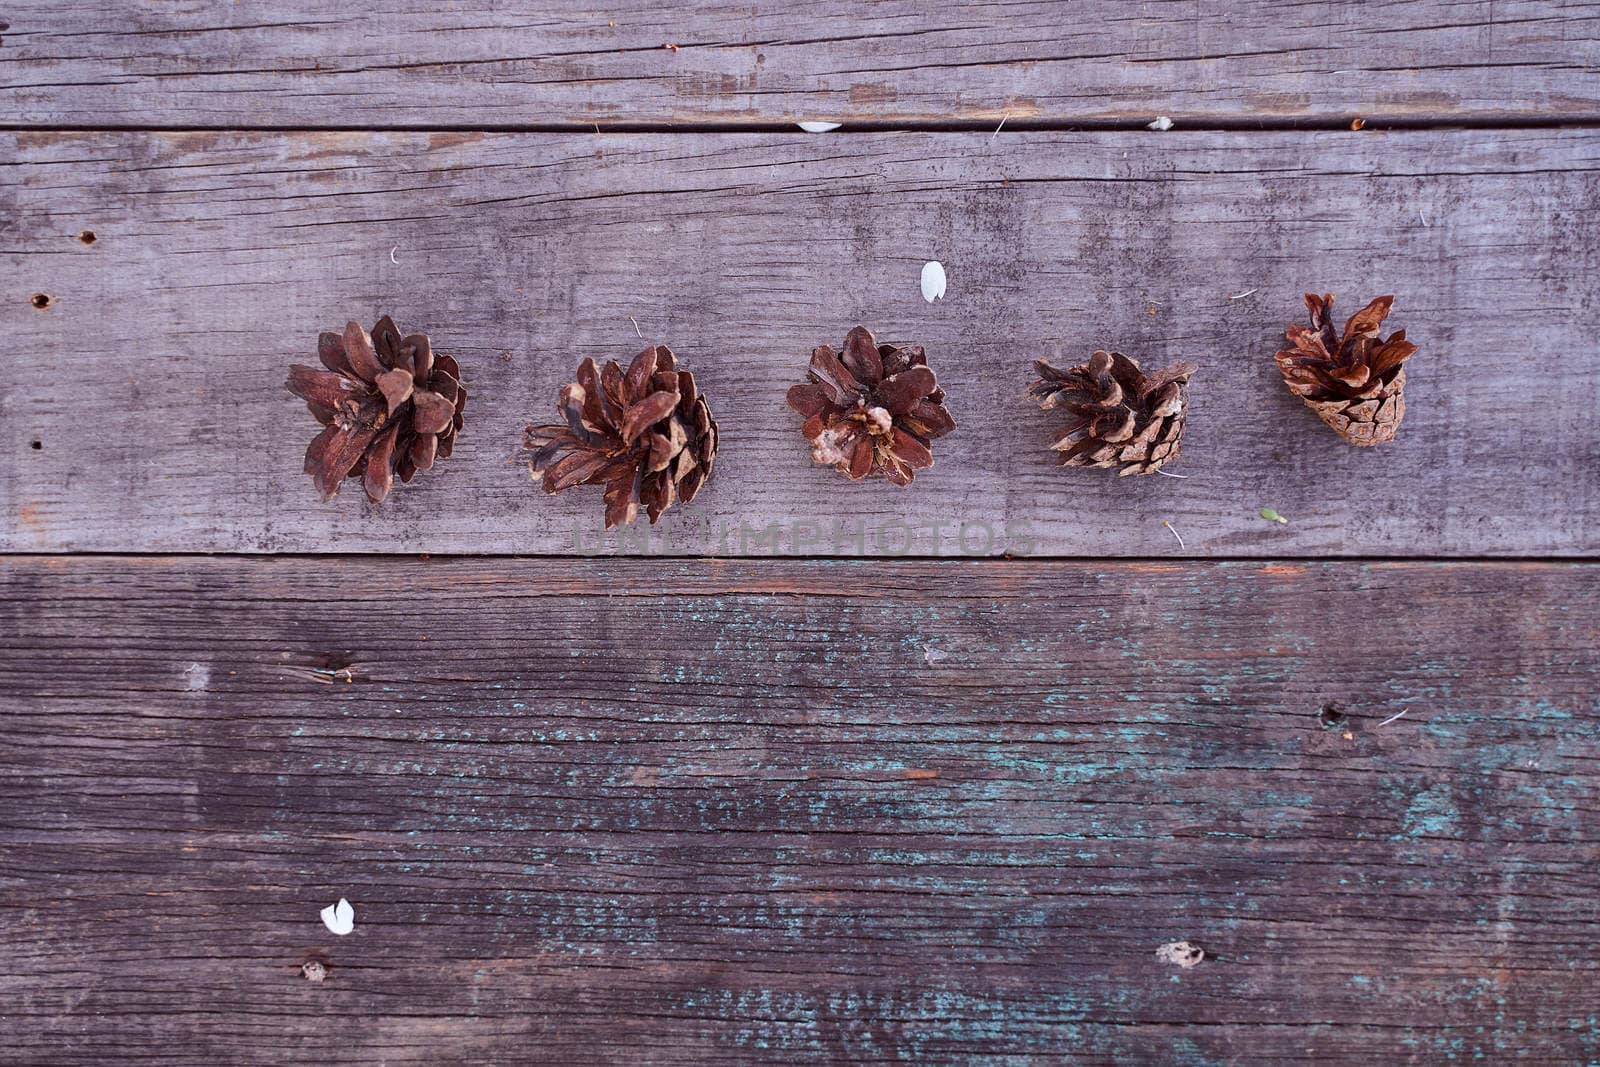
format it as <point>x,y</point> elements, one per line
<point>196,677</point>
<point>933,655</point>
<point>933,280</point>
<point>1182,953</point>
<point>339,918</point>
<point>1161,125</point>
<point>819,127</point>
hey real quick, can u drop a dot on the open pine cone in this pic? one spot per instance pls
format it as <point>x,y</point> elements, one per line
<point>873,412</point>
<point>1354,383</point>
<point>388,404</point>
<point>646,435</point>
<point>1121,417</point>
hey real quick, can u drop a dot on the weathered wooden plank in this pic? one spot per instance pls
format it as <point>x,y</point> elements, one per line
<point>295,62</point>
<point>720,812</point>
<point>144,408</point>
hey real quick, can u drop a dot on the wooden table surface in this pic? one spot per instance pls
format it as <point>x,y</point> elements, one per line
<point>813,771</point>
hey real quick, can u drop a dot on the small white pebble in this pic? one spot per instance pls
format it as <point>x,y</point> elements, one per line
<point>339,918</point>
<point>819,127</point>
<point>933,280</point>
<point>197,676</point>
<point>1161,125</point>
<point>1182,953</point>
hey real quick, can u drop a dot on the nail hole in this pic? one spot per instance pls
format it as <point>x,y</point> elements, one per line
<point>88,237</point>
<point>36,444</point>
<point>1332,716</point>
<point>41,300</point>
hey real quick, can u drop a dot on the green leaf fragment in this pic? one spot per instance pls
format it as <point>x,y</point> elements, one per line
<point>1273,516</point>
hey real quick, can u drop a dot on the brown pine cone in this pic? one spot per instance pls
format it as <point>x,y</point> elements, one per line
<point>388,404</point>
<point>873,412</point>
<point>646,435</point>
<point>1354,383</point>
<point>1121,417</point>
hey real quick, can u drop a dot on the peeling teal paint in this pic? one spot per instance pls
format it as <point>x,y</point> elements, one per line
<point>1431,814</point>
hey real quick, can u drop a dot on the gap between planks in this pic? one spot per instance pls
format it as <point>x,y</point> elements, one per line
<point>8,556</point>
<point>1134,124</point>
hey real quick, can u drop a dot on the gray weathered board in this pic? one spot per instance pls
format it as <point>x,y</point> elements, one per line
<point>692,812</point>
<point>422,63</point>
<point>144,408</point>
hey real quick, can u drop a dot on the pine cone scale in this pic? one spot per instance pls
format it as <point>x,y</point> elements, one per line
<point>1168,381</point>
<point>643,368</point>
<point>396,387</point>
<point>835,377</point>
<point>591,403</point>
<point>861,356</point>
<point>330,350</point>
<point>572,469</point>
<point>420,457</point>
<point>647,412</point>
<point>910,450</point>
<point>621,490</point>
<point>422,358</point>
<point>327,390</point>
<point>901,392</point>
<point>333,453</point>
<point>378,478</point>
<point>358,350</point>
<point>808,399</point>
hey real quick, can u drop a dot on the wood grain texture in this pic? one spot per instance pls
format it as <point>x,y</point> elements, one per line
<point>144,408</point>
<point>784,811</point>
<point>408,62</point>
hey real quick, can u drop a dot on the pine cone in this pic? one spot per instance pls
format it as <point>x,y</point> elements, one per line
<point>646,435</point>
<point>1121,416</point>
<point>874,412</point>
<point>1356,383</point>
<point>389,406</point>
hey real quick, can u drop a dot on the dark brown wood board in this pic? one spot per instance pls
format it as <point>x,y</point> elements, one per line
<point>145,410</point>
<point>691,812</point>
<point>419,63</point>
